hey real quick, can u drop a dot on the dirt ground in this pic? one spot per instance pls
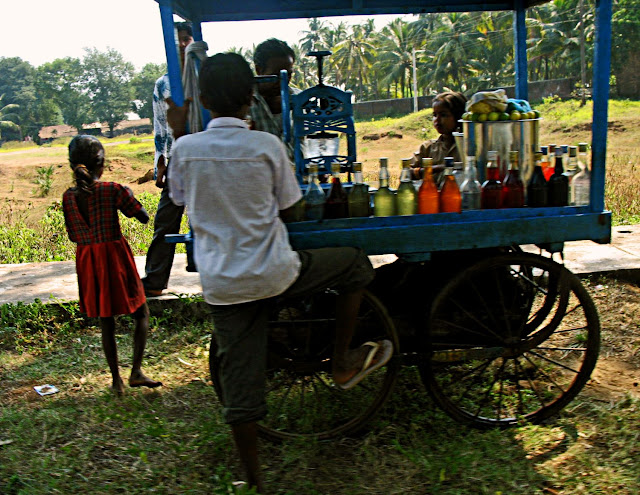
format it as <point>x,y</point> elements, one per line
<point>618,301</point>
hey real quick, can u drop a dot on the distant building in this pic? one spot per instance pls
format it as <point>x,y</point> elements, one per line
<point>139,126</point>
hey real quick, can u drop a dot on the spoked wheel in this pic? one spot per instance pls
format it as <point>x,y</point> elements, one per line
<point>302,399</point>
<point>512,338</point>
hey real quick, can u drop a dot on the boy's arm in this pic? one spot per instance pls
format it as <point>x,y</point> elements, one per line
<point>288,214</point>
<point>177,117</point>
<point>174,177</point>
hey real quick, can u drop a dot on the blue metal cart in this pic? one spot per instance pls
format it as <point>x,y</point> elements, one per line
<point>499,336</point>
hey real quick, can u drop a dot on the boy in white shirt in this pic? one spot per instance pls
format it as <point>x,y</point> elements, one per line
<point>236,183</point>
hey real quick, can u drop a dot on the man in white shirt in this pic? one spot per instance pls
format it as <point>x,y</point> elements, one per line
<point>243,253</point>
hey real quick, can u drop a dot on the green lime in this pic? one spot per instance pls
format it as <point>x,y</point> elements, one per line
<point>493,116</point>
<point>482,117</point>
<point>466,116</point>
<point>474,116</point>
<point>504,116</point>
<point>515,115</point>
<point>536,114</point>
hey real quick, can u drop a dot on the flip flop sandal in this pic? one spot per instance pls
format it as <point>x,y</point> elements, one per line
<point>386,348</point>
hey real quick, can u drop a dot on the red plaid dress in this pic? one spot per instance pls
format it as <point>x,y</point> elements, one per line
<point>108,279</point>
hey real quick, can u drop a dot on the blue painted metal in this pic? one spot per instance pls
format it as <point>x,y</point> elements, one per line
<point>286,105</point>
<point>173,64</point>
<point>452,231</point>
<point>601,68</point>
<point>323,109</point>
<point>210,10</point>
<point>520,46</point>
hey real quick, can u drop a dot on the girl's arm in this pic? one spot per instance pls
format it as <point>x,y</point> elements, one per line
<point>142,216</point>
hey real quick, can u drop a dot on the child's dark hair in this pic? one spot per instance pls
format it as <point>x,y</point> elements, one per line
<point>183,26</point>
<point>86,156</point>
<point>269,49</point>
<point>226,83</point>
<point>455,101</point>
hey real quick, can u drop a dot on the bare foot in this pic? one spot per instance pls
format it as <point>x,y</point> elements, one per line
<point>139,379</point>
<point>118,387</point>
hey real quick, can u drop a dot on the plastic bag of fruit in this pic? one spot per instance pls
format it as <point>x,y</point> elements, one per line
<point>488,101</point>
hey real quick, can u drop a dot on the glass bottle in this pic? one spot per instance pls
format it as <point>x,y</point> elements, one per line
<point>450,198</point>
<point>470,190</point>
<point>449,161</point>
<point>384,199</point>
<point>359,194</point>
<point>314,196</point>
<point>406,197</point>
<point>571,169</point>
<point>491,196</point>
<point>581,189</point>
<point>337,205</point>
<point>428,201</point>
<point>513,187</point>
<point>545,163</point>
<point>558,185</point>
<point>537,189</point>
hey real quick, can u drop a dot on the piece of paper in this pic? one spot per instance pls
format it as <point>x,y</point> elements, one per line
<point>45,389</point>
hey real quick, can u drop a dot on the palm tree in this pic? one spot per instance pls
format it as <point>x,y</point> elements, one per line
<point>314,37</point>
<point>395,55</point>
<point>354,56</point>
<point>6,114</point>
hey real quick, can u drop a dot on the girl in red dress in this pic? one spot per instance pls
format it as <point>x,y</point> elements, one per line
<point>108,280</point>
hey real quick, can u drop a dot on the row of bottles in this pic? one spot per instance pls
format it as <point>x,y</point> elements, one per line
<point>568,184</point>
<point>337,203</point>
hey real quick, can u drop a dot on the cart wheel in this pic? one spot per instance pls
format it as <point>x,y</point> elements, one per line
<point>302,399</point>
<point>514,337</point>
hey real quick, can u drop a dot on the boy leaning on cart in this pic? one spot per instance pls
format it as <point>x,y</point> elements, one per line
<point>236,183</point>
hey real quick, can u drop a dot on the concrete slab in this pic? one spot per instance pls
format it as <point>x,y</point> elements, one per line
<point>57,280</point>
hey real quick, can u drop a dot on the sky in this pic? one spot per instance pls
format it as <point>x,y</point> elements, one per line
<point>40,31</point>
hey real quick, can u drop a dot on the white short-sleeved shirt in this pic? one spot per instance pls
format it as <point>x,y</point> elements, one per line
<point>234,181</point>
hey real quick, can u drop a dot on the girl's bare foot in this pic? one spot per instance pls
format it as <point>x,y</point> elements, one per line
<point>118,387</point>
<point>139,379</point>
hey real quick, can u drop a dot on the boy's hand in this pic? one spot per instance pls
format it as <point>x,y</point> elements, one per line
<point>177,117</point>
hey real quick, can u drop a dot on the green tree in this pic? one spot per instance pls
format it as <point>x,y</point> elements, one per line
<point>7,115</point>
<point>395,59</point>
<point>142,84</point>
<point>108,79</point>
<point>62,81</point>
<point>355,56</point>
<point>625,57</point>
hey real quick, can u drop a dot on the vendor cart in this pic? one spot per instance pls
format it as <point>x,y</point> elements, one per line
<point>499,336</point>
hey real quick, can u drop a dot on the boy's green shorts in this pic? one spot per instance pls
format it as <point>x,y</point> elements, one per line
<point>240,330</point>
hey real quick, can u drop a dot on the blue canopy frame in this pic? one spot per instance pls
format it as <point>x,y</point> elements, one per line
<point>421,234</point>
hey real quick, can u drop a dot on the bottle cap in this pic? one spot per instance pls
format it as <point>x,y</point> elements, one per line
<point>357,166</point>
<point>427,162</point>
<point>582,147</point>
<point>565,148</point>
<point>384,162</point>
<point>538,156</point>
<point>544,150</point>
<point>406,162</point>
<point>558,151</point>
<point>471,161</point>
<point>492,155</point>
<point>573,151</point>
<point>513,155</point>
<point>448,161</point>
